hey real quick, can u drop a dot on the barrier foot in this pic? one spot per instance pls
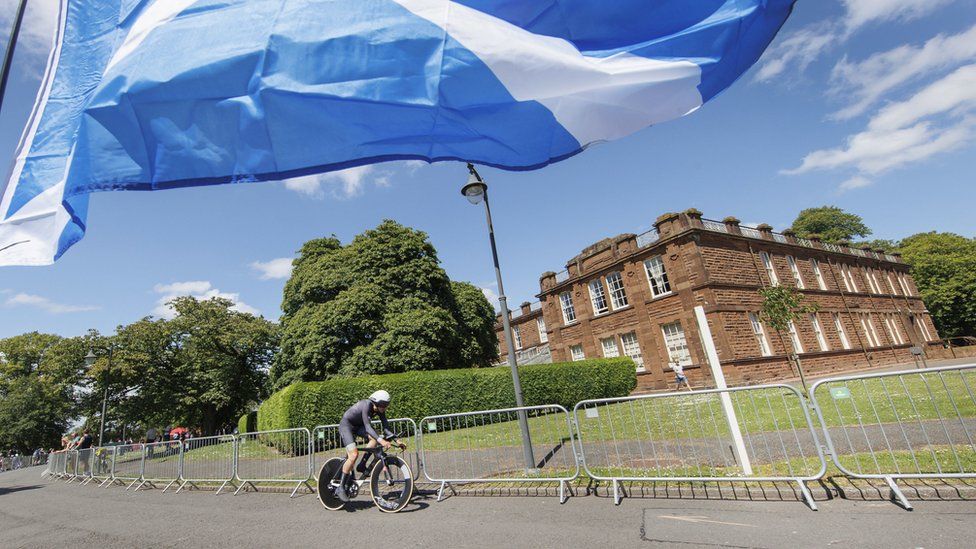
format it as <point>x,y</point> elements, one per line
<point>133,484</point>
<point>563,488</point>
<point>86,481</point>
<point>618,492</point>
<point>897,496</point>
<point>168,486</point>
<point>222,486</point>
<point>243,486</point>
<point>300,484</point>
<point>440,492</point>
<point>807,496</point>
<point>104,482</point>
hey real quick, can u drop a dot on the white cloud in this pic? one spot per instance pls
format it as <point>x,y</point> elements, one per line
<point>798,49</point>
<point>199,289</point>
<point>274,269</point>
<point>855,182</point>
<point>343,184</point>
<point>45,304</point>
<point>491,295</point>
<point>36,33</point>
<point>939,118</point>
<point>865,82</point>
<point>862,12</point>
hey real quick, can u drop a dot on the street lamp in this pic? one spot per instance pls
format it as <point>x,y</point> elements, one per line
<point>90,359</point>
<point>476,191</point>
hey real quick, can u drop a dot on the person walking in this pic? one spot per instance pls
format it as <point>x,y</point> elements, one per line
<point>679,375</point>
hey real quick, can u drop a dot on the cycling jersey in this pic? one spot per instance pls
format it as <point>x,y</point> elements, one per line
<point>357,421</point>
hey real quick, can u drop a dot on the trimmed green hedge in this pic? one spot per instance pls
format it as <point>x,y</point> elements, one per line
<point>248,423</point>
<point>419,394</point>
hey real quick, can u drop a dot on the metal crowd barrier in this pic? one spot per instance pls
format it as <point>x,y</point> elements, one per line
<point>83,467</point>
<point>161,463</point>
<point>488,446</point>
<point>101,464</point>
<point>741,434</point>
<point>71,469</point>
<point>127,464</point>
<point>327,444</point>
<point>911,424</point>
<point>280,456</point>
<point>208,460</point>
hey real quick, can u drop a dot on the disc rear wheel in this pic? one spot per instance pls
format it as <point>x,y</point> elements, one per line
<point>328,483</point>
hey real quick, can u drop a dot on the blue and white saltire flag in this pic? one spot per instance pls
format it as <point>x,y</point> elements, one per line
<point>157,94</point>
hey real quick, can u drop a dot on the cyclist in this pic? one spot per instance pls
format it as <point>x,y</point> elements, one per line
<point>357,422</point>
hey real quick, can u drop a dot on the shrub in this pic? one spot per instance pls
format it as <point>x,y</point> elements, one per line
<point>419,394</point>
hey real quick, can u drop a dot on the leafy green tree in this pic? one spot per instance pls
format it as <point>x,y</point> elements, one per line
<point>781,307</point>
<point>380,304</point>
<point>37,396</point>
<point>880,244</point>
<point>831,223</point>
<point>203,368</point>
<point>944,268</point>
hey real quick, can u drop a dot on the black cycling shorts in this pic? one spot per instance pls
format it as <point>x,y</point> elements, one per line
<point>348,434</point>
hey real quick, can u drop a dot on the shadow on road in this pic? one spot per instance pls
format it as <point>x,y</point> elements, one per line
<point>12,489</point>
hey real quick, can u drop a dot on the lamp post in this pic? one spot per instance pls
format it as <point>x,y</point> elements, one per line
<point>476,191</point>
<point>90,359</point>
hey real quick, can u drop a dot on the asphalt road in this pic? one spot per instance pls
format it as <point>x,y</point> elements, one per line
<point>42,513</point>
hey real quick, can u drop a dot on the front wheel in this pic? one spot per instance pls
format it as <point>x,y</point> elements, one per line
<point>391,484</point>
<point>329,477</point>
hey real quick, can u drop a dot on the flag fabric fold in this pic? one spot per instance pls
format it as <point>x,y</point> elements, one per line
<point>158,94</point>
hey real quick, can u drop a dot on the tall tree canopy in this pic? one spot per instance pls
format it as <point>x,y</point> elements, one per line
<point>944,269</point>
<point>830,223</point>
<point>38,374</point>
<point>380,304</point>
<point>203,368</point>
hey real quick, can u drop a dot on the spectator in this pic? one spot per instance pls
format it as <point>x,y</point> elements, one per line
<point>151,435</point>
<point>679,375</point>
<point>84,458</point>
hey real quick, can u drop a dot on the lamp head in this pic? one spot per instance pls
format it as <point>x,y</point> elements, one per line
<point>474,190</point>
<point>90,358</point>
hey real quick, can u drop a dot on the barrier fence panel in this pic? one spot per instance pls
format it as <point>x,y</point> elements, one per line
<point>83,467</point>
<point>901,425</point>
<point>208,460</point>
<point>281,456</point>
<point>487,446</point>
<point>327,444</point>
<point>127,464</point>
<point>161,463</point>
<point>101,466</point>
<point>686,436</point>
<point>71,470</point>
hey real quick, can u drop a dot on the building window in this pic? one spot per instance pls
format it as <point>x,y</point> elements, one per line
<point>632,349</point>
<point>903,282</point>
<point>924,327</point>
<point>657,276</point>
<point>577,352</point>
<point>598,297</point>
<point>819,274</point>
<point>569,312</point>
<point>867,324</point>
<point>517,333</point>
<point>618,296</point>
<point>848,276</point>
<point>540,323</point>
<point>891,324</point>
<point>818,331</point>
<point>674,340</point>
<point>891,285</point>
<point>795,338</point>
<point>872,281</point>
<point>796,272</point>
<point>610,349</point>
<point>841,332</point>
<point>760,332</point>
<point>770,270</point>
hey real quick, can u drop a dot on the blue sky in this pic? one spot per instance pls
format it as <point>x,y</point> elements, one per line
<point>864,104</point>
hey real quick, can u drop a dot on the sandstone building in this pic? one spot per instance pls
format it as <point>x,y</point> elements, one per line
<point>634,295</point>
